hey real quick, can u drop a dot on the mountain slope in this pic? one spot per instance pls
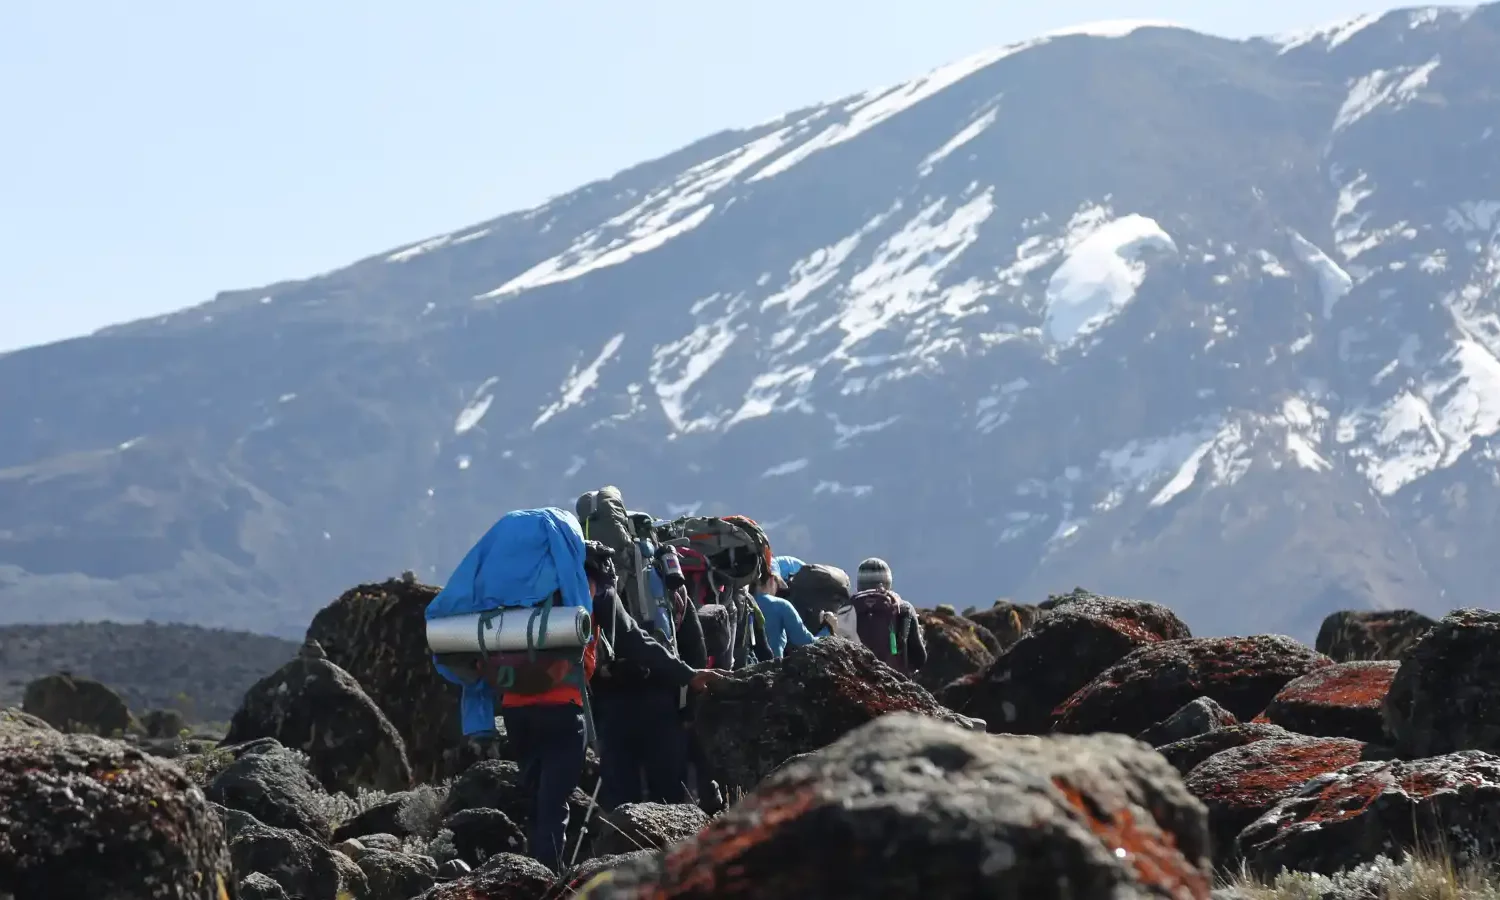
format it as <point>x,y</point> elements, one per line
<point>1207,321</point>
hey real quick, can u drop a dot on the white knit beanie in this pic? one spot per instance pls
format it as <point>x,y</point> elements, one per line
<point>873,573</point>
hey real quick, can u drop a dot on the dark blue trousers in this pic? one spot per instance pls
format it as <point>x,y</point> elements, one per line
<point>549,742</point>
<point>641,734</point>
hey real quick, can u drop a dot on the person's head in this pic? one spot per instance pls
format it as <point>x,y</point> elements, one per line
<point>873,574</point>
<point>771,584</point>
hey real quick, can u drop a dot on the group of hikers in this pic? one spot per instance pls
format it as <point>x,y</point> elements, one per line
<point>596,627</point>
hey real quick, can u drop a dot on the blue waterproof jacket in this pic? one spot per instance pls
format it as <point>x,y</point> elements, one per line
<point>784,626</point>
<point>520,561</point>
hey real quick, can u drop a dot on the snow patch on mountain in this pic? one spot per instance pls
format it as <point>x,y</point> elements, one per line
<point>1333,281</point>
<point>1112,28</point>
<point>1225,456</point>
<point>786,468</point>
<point>1331,34</point>
<point>901,282</point>
<point>1430,426</point>
<point>1392,89</point>
<point>1100,277</point>
<point>876,107</point>
<point>969,132</point>
<point>474,411</point>
<point>664,214</point>
<point>579,382</point>
<point>416,250</point>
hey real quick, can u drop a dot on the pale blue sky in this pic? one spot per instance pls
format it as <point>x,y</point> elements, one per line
<point>158,151</point>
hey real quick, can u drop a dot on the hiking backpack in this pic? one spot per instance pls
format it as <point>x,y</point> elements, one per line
<point>736,557</point>
<point>489,599</point>
<point>605,519</point>
<point>874,617</point>
<point>816,589</point>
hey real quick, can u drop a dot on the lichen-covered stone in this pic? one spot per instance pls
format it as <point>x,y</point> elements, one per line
<point>1341,700</point>
<point>646,826</point>
<point>77,705</point>
<point>506,876</point>
<point>1369,634</point>
<point>13,721</point>
<point>1198,717</point>
<point>762,715</point>
<point>378,634</point>
<point>1186,754</point>
<point>1006,621</point>
<point>1241,674</point>
<point>1359,812</point>
<point>911,807</point>
<point>954,649</point>
<point>314,706</point>
<point>1443,698</point>
<point>82,816</point>
<point>272,785</point>
<point>1055,657</point>
<point>1239,784</point>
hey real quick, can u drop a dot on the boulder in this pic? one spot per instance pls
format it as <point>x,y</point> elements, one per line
<point>1198,717</point>
<point>1005,620</point>
<point>477,834</point>
<point>1186,754</point>
<point>271,784</point>
<point>1370,634</point>
<point>417,811</point>
<point>14,721</point>
<point>912,807</point>
<point>1341,700</point>
<point>314,706</point>
<point>587,870</point>
<point>1055,657</point>
<point>507,876</point>
<point>163,724</point>
<point>991,643</point>
<point>378,634</point>
<point>82,816</point>
<point>1350,816</point>
<point>496,784</point>
<point>302,866</point>
<point>396,876</point>
<point>1443,696</point>
<point>646,826</point>
<point>256,886</point>
<point>954,649</point>
<point>1241,674</point>
<point>77,705</point>
<point>1239,784</point>
<point>764,714</point>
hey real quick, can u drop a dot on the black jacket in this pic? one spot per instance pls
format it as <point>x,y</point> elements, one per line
<point>635,659</point>
<point>914,644</point>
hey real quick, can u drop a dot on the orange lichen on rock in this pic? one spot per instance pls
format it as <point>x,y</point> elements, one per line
<point>707,865</point>
<point>1151,852</point>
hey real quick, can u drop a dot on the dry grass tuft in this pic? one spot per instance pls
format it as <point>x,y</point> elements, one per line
<point>1418,876</point>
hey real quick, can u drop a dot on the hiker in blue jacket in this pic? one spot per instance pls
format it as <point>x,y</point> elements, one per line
<point>783,623</point>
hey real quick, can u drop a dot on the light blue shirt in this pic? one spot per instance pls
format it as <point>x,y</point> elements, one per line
<point>783,625</point>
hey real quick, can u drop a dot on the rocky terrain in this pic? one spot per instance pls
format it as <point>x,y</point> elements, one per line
<point>202,673</point>
<point>1151,763</point>
<point>1169,315</point>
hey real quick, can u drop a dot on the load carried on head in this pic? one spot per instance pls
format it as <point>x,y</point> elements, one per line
<point>517,614</point>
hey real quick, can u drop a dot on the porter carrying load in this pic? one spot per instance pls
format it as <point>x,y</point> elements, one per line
<point>517,615</point>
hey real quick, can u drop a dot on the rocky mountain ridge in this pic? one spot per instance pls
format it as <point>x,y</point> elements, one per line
<point>1165,314</point>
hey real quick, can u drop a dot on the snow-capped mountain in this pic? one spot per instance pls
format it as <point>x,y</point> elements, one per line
<point>1204,321</point>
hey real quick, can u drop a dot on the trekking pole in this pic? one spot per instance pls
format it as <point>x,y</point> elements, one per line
<point>587,815</point>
